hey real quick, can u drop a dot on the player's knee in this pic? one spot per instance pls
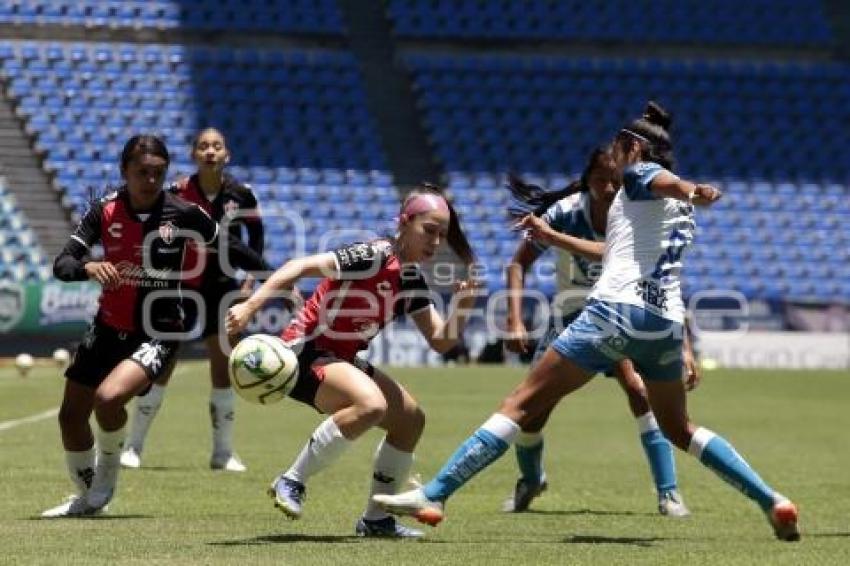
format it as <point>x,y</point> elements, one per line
<point>415,421</point>
<point>108,398</point>
<point>371,411</point>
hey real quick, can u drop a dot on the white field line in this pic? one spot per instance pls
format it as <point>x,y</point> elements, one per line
<point>6,425</point>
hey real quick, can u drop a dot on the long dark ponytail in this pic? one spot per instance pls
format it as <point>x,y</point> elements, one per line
<point>527,198</point>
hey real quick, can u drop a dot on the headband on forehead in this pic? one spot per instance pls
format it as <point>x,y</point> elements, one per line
<point>423,203</point>
<point>634,134</point>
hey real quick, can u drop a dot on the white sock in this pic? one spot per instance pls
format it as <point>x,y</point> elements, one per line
<point>528,438</point>
<point>81,469</point>
<point>144,412</point>
<point>647,423</point>
<point>222,401</point>
<point>699,440</point>
<point>502,427</point>
<point>109,445</point>
<point>325,446</point>
<point>391,470</point>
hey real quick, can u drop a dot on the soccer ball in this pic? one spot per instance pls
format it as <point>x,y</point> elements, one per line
<point>263,369</point>
<point>24,363</point>
<point>61,356</point>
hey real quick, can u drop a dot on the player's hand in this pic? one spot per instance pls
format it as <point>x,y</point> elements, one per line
<point>536,229</point>
<point>692,372</point>
<point>517,340</point>
<point>706,195</point>
<point>104,273</point>
<point>237,318</point>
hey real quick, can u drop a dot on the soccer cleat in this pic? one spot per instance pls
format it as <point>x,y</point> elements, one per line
<point>75,506</point>
<point>783,519</point>
<point>671,504</point>
<point>387,527</point>
<point>103,486</point>
<point>227,463</point>
<point>412,503</point>
<point>524,493</point>
<point>131,458</point>
<point>288,496</point>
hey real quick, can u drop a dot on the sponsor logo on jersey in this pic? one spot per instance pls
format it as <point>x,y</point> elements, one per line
<point>136,276</point>
<point>114,229</point>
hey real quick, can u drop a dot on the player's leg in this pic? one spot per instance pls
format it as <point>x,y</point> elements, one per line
<point>404,423</point>
<point>551,379</point>
<point>149,361</point>
<point>669,402</point>
<point>78,442</point>
<point>222,409</point>
<point>658,451</point>
<point>528,448</point>
<point>355,404</point>
<point>144,411</point>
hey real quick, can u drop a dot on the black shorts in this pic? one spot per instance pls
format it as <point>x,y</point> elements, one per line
<point>211,303</point>
<point>104,347</point>
<point>311,371</point>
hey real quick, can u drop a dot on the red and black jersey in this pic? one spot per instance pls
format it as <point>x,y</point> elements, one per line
<point>372,289</point>
<point>148,251</point>
<point>234,206</point>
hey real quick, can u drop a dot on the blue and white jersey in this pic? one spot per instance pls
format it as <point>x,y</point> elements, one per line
<point>647,237</point>
<point>575,274</point>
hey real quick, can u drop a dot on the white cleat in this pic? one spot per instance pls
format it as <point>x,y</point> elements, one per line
<point>227,463</point>
<point>412,503</point>
<point>671,504</point>
<point>130,458</point>
<point>75,506</point>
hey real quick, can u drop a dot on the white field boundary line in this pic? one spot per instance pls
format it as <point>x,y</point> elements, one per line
<point>6,425</point>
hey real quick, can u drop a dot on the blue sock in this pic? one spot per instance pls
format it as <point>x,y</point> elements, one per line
<point>659,453</point>
<point>718,455</point>
<point>480,450</point>
<point>529,458</point>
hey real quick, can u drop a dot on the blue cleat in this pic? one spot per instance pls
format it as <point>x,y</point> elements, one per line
<point>288,496</point>
<point>387,527</point>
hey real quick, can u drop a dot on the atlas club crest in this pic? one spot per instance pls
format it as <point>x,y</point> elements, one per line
<point>167,231</point>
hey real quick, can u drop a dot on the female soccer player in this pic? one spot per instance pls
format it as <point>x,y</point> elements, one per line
<point>635,311</point>
<point>134,337</point>
<point>223,198</point>
<point>365,287</point>
<point>575,221</point>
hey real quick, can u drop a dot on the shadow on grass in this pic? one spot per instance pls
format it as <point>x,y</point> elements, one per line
<point>826,535</point>
<point>596,512</point>
<point>105,517</point>
<point>594,539</point>
<point>286,539</point>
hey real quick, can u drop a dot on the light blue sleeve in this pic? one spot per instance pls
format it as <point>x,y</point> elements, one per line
<point>637,179</point>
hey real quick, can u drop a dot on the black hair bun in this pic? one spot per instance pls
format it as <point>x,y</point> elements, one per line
<point>656,114</point>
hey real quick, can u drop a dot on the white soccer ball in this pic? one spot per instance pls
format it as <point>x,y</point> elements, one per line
<point>263,369</point>
<point>61,356</point>
<point>24,363</point>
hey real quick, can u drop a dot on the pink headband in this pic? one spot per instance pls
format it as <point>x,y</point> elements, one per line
<point>423,203</point>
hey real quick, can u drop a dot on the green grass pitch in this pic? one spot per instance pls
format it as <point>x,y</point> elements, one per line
<point>600,508</point>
